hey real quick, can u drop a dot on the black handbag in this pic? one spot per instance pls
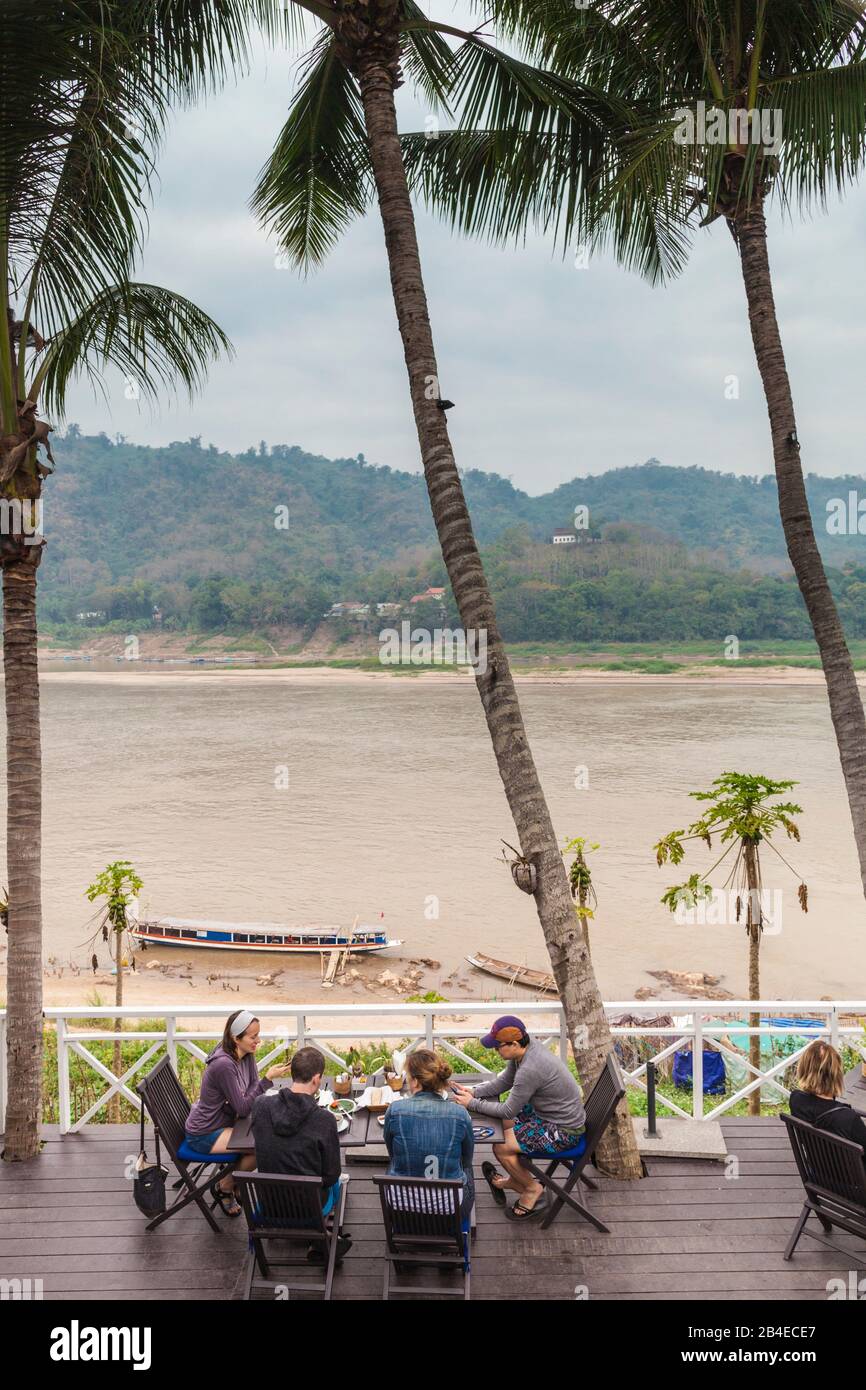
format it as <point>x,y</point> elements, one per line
<point>148,1185</point>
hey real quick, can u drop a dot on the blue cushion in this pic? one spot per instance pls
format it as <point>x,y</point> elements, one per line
<point>188,1155</point>
<point>577,1152</point>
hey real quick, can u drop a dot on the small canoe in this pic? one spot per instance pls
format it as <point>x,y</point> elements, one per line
<point>515,974</point>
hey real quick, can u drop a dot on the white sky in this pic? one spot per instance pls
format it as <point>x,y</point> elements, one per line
<point>556,372</point>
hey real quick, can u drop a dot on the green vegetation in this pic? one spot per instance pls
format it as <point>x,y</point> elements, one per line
<point>679,556</point>
<point>86,1086</point>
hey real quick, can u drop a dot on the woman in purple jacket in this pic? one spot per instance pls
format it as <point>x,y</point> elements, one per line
<point>229,1086</point>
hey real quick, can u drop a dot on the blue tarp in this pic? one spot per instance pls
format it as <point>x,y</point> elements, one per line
<point>714,1072</point>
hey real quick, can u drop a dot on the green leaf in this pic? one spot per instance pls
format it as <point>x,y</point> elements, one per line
<point>155,338</point>
<point>318,178</point>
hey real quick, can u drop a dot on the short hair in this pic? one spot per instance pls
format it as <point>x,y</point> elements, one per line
<point>820,1070</point>
<point>307,1063</point>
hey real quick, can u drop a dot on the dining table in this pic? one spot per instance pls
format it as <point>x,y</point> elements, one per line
<point>355,1136</point>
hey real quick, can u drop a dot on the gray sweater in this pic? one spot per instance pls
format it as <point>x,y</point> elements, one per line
<point>539,1079</point>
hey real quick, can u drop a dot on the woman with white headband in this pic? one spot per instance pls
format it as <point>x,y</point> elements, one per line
<point>229,1086</point>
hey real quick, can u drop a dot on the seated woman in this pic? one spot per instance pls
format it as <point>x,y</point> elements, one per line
<point>427,1136</point>
<point>820,1083</point>
<point>229,1086</point>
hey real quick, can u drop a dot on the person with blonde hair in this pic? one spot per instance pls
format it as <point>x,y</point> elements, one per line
<point>425,1134</point>
<point>820,1083</point>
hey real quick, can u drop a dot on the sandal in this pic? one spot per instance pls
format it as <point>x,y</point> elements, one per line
<point>227,1201</point>
<point>521,1213</point>
<point>489,1171</point>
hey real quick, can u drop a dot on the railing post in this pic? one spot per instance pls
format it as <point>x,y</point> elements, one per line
<point>698,1067</point>
<point>301,1027</point>
<point>2,1073</point>
<point>170,1044</point>
<point>428,1028</point>
<point>834,1027</point>
<point>64,1100</point>
<point>650,1130</point>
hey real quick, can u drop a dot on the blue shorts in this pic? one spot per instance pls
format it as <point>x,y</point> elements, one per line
<point>203,1143</point>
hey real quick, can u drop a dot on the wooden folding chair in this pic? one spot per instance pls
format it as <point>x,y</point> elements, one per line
<point>601,1103</point>
<point>278,1206</point>
<point>166,1103</point>
<point>834,1175</point>
<point>424,1227</point>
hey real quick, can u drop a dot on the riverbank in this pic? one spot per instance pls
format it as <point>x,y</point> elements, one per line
<point>284,656</point>
<point>142,672</point>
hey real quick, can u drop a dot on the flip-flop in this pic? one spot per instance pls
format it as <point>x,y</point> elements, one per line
<point>489,1171</point>
<point>521,1213</point>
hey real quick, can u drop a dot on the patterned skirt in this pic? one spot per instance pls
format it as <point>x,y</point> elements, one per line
<point>535,1135</point>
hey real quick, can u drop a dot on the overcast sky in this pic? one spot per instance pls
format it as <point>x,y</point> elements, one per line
<point>555,371</point>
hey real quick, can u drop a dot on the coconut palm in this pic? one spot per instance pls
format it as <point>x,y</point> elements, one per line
<point>744,812</point>
<point>339,150</point>
<point>728,103</point>
<point>84,88</point>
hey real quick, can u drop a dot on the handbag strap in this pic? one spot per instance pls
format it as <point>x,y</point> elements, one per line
<point>141,1147</point>
<point>833,1108</point>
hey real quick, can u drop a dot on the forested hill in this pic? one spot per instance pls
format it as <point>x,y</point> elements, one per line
<point>126,509</point>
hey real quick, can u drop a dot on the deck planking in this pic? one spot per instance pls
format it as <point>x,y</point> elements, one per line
<point>686,1233</point>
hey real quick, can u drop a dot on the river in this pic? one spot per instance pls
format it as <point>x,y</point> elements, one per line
<point>246,798</point>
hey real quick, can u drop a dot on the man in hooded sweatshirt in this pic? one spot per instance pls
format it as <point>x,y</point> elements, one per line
<point>294,1135</point>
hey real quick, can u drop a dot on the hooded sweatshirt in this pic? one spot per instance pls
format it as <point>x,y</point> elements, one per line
<point>834,1115</point>
<point>228,1089</point>
<point>295,1135</point>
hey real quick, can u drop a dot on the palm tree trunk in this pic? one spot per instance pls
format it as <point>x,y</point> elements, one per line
<point>846,706</point>
<point>587,1026</point>
<point>23,854</point>
<point>754,928</point>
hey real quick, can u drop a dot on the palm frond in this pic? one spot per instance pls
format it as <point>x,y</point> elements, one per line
<point>158,341</point>
<point>822,119</point>
<point>426,55</point>
<point>318,178</point>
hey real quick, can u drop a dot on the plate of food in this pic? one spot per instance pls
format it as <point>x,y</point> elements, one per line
<point>342,1111</point>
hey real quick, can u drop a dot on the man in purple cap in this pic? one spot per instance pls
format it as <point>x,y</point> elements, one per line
<point>543,1113</point>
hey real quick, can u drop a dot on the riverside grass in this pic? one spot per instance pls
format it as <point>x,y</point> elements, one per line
<point>86,1086</point>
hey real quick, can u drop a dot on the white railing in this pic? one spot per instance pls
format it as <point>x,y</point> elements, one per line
<point>442,1025</point>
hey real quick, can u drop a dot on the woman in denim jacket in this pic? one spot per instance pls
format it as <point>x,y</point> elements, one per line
<point>427,1134</point>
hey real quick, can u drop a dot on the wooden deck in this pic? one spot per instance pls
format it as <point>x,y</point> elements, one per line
<point>687,1232</point>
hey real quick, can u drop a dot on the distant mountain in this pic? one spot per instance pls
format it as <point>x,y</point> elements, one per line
<point>168,519</point>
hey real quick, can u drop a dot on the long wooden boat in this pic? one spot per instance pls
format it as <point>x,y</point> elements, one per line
<point>259,936</point>
<point>514,974</point>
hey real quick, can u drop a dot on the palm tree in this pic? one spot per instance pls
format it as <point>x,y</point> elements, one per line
<point>339,147</point>
<point>723,103</point>
<point>83,92</point>
<point>744,813</point>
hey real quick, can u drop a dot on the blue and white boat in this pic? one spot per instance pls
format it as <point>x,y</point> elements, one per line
<point>259,936</point>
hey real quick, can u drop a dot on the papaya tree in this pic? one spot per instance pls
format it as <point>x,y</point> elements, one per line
<point>744,814</point>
